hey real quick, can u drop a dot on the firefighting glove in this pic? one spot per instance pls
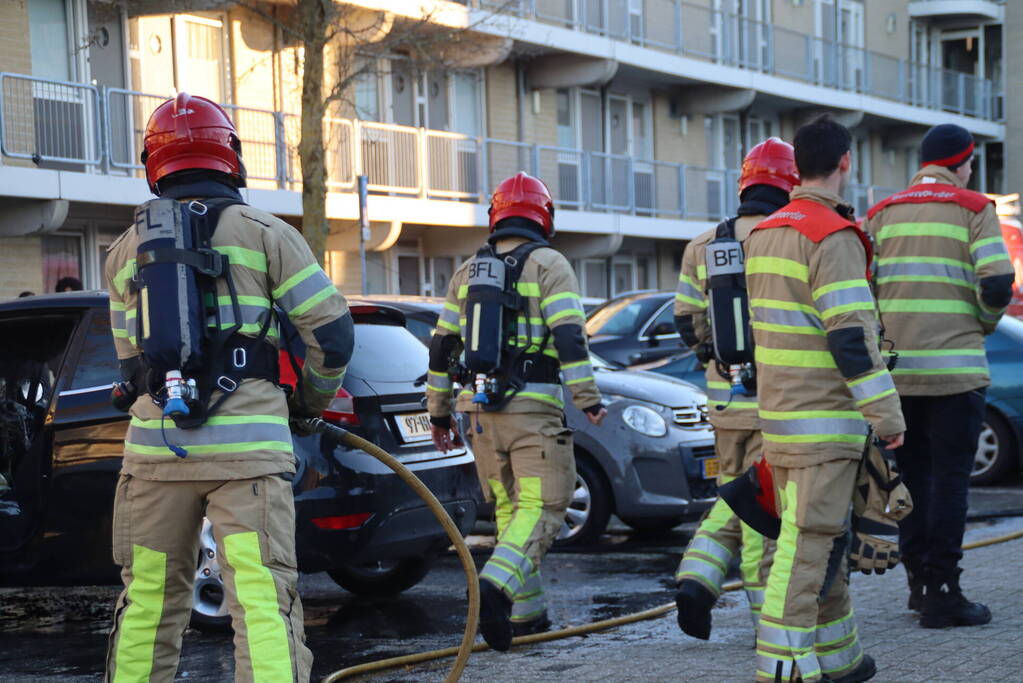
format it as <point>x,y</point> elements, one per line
<point>880,500</point>
<point>299,414</point>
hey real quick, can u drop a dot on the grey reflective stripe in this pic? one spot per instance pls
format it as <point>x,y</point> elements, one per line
<point>718,395</point>
<point>767,667</point>
<point>577,372</point>
<point>755,598</point>
<point>449,316</point>
<point>779,316</point>
<point>842,659</point>
<point>686,289</point>
<point>117,319</point>
<point>570,302</point>
<point>692,565</point>
<point>324,385</point>
<point>532,333</point>
<point>707,546</point>
<point>988,250</point>
<point>502,577</point>
<point>251,315</point>
<point>313,284</point>
<point>530,602</point>
<point>508,568</point>
<point>131,325</point>
<point>814,425</point>
<point>840,297</point>
<point>872,387</point>
<point>835,631</point>
<point>907,361</point>
<point>438,381</point>
<point>542,390</point>
<point>943,270</point>
<point>208,434</point>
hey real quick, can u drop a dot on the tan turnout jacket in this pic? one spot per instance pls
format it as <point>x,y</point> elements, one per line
<point>691,299</point>
<point>550,287</point>
<point>800,293</point>
<point>249,435</point>
<point>932,260</point>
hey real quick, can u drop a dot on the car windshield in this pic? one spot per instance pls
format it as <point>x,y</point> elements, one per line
<point>387,353</point>
<point>623,317</point>
<point>599,363</point>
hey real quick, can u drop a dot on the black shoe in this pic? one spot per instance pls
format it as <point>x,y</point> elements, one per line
<point>945,605</point>
<point>495,616</point>
<point>541,624</point>
<point>915,579</point>
<point>866,670</point>
<point>694,605</point>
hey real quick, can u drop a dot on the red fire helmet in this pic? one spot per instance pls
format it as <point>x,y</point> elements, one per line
<point>525,196</point>
<point>751,497</point>
<point>772,162</point>
<point>190,132</point>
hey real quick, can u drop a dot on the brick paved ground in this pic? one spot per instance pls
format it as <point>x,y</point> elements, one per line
<point>905,653</point>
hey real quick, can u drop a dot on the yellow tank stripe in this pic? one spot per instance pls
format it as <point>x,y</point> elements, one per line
<point>137,631</point>
<point>265,630</point>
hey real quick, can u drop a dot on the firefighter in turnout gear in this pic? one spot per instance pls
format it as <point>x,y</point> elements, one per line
<point>768,175</point>
<point>238,463</point>
<point>944,278</point>
<point>824,384</point>
<point>532,321</point>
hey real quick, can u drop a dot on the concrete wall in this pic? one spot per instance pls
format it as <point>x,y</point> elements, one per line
<point>875,23</point>
<point>793,18</point>
<point>21,266</point>
<point>15,51</point>
<point>1013,29</point>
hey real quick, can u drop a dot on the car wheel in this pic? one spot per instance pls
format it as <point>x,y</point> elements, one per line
<point>590,509</point>
<point>996,451</point>
<point>383,578</point>
<point>209,606</point>
<point>655,524</point>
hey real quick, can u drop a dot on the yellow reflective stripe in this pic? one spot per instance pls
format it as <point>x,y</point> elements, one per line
<point>701,271</point>
<point>689,281</point>
<point>775,265</point>
<point>119,333</point>
<point>814,438</point>
<point>566,313</point>
<point>122,276</point>
<point>240,256</point>
<point>503,507</point>
<point>283,288</point>
<point>984,242</point>
<point>528,289</point>
<point>213,448</point>
<point>934,260</point>
<point>795,358</point>
<point>992,258</point>
<point>321,295</point>
<point>577,364</point>
<point>784,556</point>
<point>845,308</point>
<point>133,659</point>
<point>784,305</point>
<point>927,306</point>
<point>788,329</point>
<point>245,300</point>
<point>805,414</point>
<point>452,307</point>
<point>219,420</point>
<point>527,513</point>
<point>540,397</point>
<point>117,306</point>
<point>450,327</point>
<point>697,303</point>
<point>557,297</point>
<point>835,286</point>
<point>265,629</point>
<point>947,230</point>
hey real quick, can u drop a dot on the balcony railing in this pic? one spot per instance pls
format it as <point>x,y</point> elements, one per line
<point>97,130</point>
<point>726,38</point>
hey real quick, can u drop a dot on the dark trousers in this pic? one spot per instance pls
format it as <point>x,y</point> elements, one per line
<point>936,461</point>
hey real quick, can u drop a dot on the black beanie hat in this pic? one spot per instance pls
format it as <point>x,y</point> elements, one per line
<point>946,145</point>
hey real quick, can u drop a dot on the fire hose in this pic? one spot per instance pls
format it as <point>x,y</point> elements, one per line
<point>467,647</point>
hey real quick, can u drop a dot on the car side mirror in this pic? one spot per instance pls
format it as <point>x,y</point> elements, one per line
<point>662,329</point>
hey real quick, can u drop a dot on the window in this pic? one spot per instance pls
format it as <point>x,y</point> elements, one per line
<point>623,317</point>
<point>566,124</point>
<point>595,278</point>
<point>623,277</point>
<point>408,275</point>
<point>367,96</point>
<point>62,257</point>
<point>467,103</point>
<point>201,61</point>
<point>50,39</point>
<point>665,318</point>
<point>442,268</point>
<point>97,361</point>
<point>387,353</point>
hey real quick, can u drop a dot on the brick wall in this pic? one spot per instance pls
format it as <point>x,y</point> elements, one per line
<point>15,52</point>
<point>21,266</point>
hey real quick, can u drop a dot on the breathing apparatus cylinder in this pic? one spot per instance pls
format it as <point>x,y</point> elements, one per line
<point>170,306</point>
<point>728,310</point>
<point>485,321</point>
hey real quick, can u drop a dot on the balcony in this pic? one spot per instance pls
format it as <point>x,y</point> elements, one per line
<point>724,38</point>
<point>83,128</point>
<point>971,10</point>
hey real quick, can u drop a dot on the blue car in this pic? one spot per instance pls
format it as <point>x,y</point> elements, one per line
<point>999,452</point>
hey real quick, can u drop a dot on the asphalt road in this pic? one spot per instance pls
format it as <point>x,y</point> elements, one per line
<point>59,634</point>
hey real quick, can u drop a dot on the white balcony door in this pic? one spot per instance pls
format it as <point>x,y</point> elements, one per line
<point>838,50</point>
<point>200,55</point>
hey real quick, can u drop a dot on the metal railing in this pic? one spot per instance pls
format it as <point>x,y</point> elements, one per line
<point>731,39</point>
<point>84,128</point>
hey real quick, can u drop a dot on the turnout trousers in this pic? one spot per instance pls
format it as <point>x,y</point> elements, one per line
<point>936,462</point>
<point>526,467</point>
<point>721,536</point>
<point>803,634</point>
<point>156,542</point>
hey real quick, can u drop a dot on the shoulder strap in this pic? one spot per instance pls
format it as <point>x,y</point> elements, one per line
<point>726,229</point>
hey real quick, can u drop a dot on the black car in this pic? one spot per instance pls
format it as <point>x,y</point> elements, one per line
<point>634,328</point>
<point>354,518</point>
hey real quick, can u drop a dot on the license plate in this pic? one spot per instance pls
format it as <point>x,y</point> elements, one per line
<point>414,426</point>
<point>710,467</point>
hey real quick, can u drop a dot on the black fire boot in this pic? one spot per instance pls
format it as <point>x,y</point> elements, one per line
<point>915,579</point>
<point>866,670</point>
<point>540,624</point>
<point>945,605</point>
<point>694,605</point>
<point>495,616</point>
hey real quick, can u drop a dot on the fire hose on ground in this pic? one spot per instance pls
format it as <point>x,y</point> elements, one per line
<point>467,646</point>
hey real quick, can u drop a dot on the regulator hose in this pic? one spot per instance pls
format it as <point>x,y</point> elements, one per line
<point>462,652</point>
<point>583,629</point>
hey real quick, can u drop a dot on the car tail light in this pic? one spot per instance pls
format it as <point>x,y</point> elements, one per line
<point>341,521</point>
<point>364,309</point>
<point>341,409</point>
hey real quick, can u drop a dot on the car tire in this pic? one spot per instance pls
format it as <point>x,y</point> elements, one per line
<point>655,524</point>
<point>590,509</point>
<point>209,606</point>
<point>382,579</point>
<point>996,451</point>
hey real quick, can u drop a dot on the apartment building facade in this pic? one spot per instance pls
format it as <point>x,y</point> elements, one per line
<point>636,112</point>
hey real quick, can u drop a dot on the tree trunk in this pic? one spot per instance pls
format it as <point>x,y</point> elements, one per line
<point>311,147</point>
